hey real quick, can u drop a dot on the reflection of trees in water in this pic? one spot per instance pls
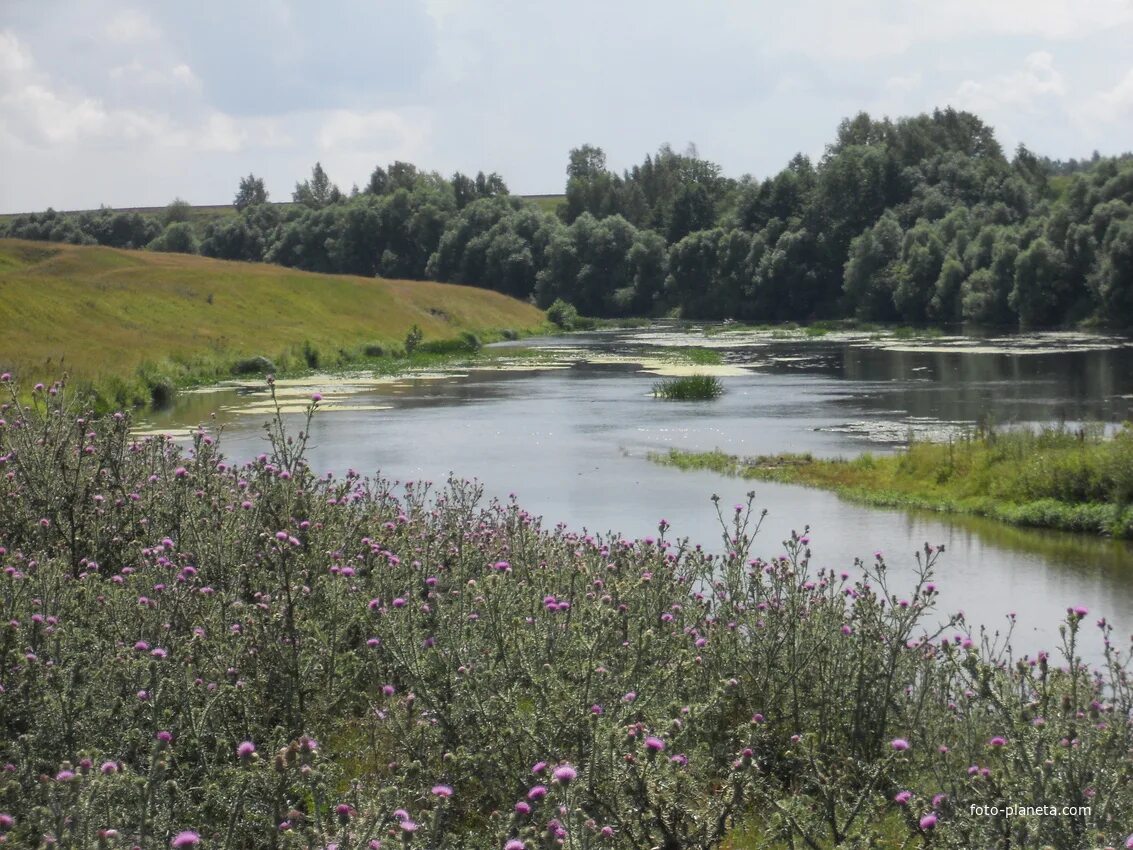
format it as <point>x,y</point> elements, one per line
<point>1094,557</point>
<point>955,385</point>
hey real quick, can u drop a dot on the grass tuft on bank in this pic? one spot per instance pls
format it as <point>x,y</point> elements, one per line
<point>1072,480</point>
<point>133,326</point>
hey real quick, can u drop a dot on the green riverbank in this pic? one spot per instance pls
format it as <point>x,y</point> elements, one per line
<point>1055,478</point>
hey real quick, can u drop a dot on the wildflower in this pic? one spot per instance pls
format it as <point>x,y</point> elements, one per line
<point>64,776</point>
<point>442,790</point>
<point>245,750</point>
<point>928,821</point>
<point>654,744</point>
<point>163,737</point>
<point>515,844</point>
<point>408,826</point>
<point>108,768</point>
<point>6,820</point>
<point>522,808</point>
<point>564,774</point>
<point>537,793</point>
<point>903,798</point>
<point>1078,611</point>
<point>899,744</point>
<point>997,741</point>
<point>630,697</point>
<point>316,397</point>
<point>187,838</point>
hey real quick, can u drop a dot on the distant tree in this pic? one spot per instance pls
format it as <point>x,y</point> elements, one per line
<point>463,189</point>
<point>250,193</point>
<point>177,210</point>
<point>586,162</point>
<point>177,238</point>
<point>317,192</point>
<point>379,181</point>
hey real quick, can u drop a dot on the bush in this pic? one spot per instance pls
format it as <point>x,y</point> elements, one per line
<point>563,314</point>
<point>253,366</point>
<point>374,349</point>
<point>413,340</point>
<point>177,238</point>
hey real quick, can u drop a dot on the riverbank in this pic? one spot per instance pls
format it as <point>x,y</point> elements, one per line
<point>1055,478</point>
<point>135,326</point>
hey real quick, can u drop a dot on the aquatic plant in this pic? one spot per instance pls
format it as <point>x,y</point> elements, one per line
<point>201,652</point>
<point>689,388</point>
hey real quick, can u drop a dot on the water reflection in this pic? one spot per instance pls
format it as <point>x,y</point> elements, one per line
<point>572,444</point>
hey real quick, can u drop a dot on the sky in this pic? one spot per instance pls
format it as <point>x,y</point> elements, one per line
<point>137,103</point>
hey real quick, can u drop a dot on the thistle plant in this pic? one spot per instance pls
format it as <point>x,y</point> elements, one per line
<point>199,652</point>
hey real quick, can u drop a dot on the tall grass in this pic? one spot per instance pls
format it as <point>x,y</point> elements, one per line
<point>689,388</point>
<point>1055,477</point>
<point>204,653</point>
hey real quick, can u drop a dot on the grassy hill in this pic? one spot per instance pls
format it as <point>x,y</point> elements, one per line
<point>132,323</point>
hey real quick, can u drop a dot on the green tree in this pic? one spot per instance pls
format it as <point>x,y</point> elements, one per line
<point>1040,291</point>
<point>318,191</point>
<point>177,210</point>
<point>250,193</point>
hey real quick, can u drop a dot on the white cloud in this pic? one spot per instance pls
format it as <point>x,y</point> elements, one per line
<point>370,132</point>
<point>1112,105</point>
<point>131,26</point>
<point>1035,85</point>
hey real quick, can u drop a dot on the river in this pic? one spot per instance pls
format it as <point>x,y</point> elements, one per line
<point>570,433</point>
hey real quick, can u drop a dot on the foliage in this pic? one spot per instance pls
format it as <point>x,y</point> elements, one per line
<point>922,219</point>
<point>177,238</point>
<point>250,193</point>
<point>248,655</point>
<point>563,314</point>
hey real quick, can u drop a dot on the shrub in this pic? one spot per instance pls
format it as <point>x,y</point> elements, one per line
<point>563,314</point>
<point>413,340</point>
<point>259,365</point>
<point>177,238</point>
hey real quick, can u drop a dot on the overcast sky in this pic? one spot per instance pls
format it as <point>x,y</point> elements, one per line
<point>135,103</point>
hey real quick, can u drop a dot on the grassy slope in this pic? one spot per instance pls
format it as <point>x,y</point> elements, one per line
<point>105,313</point>
<point>1056,479</point>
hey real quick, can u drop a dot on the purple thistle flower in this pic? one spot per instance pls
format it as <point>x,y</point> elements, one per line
<point>186,838</point>
<point>539,767</point>
<point>64,776</point>
<point>997,741</point>
<point>108,767</point>
<point>928,821</point>
<point>245,750</point>
<point>903,798</point>
<point>522,808</point>
<point>442,790</point>
<point>515,844</point>
<point>537,793</point>
<point>408,826</point>
<point>654,744</point>
<point>899,744</point>
<point>564,774</point>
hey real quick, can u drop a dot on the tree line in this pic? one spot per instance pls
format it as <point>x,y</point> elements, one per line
<point>923,220</point>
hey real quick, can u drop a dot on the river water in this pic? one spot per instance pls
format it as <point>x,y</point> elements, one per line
<point>569,433</point>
